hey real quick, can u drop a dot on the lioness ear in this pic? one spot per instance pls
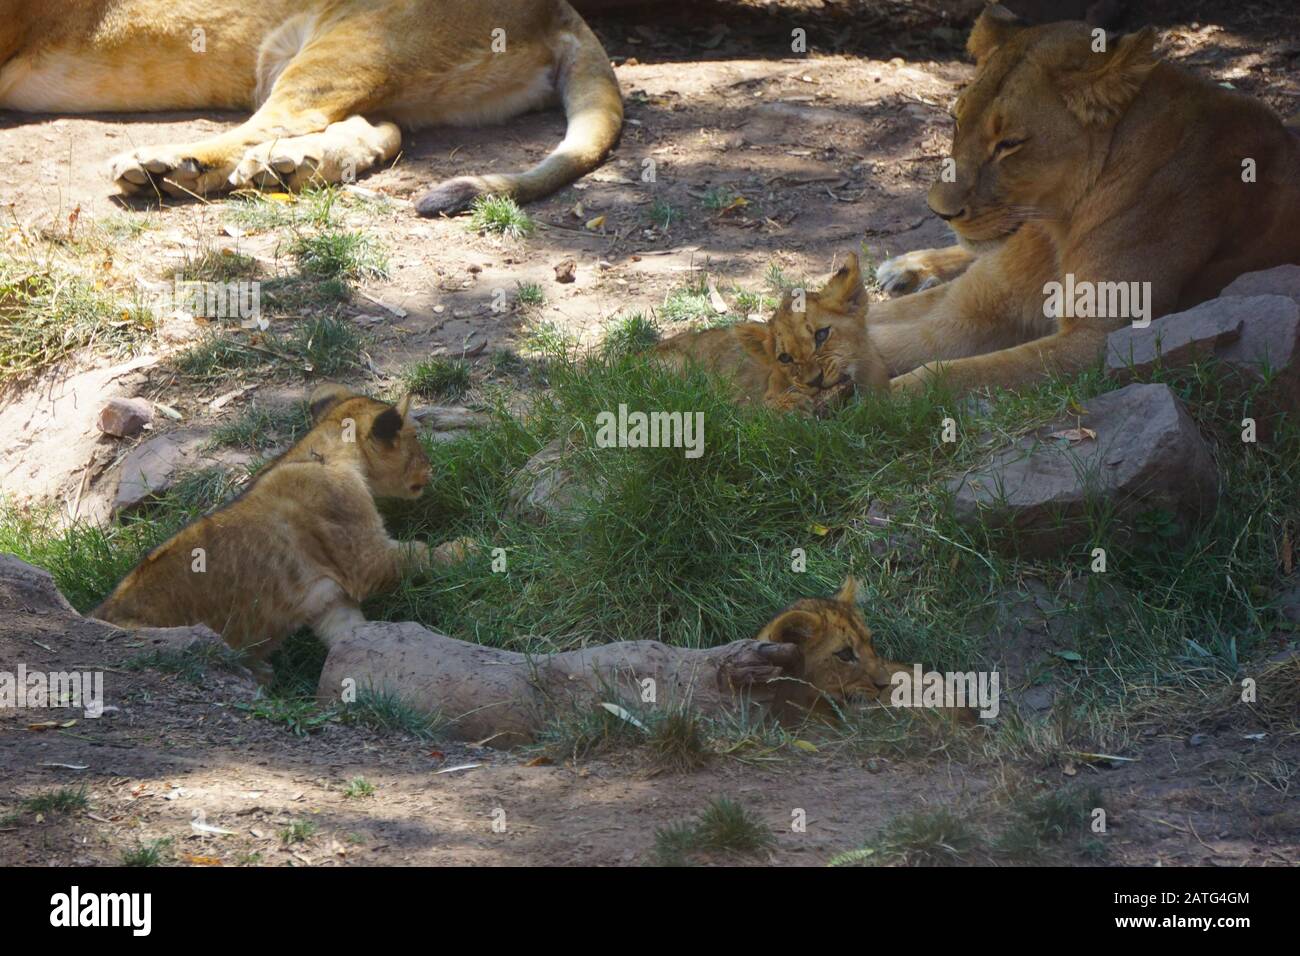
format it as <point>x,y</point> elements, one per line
<point>995,26</point>
<point>404,406</point>
<point>755,338</point>
<point>791,627</point>
<point>843,292</point>
<point>848,592</point>
<point>1101,93</point>
<point>324,397</point>
<point>386,426</point>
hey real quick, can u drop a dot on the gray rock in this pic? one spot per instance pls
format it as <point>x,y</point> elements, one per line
<point>1147,456</point>
<point>124,417</point>
<point>1177,339</point>
<point>1254,339</point>
<point>152,467</point>
<point>24,587</point>
<point>1280,280</point>
<point>546,487</point>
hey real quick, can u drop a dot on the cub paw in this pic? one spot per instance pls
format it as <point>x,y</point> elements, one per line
<point>909,272</point>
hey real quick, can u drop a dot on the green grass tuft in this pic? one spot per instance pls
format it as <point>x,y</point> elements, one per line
<point>500,216</point>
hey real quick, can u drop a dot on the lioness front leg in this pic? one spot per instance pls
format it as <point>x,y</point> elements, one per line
<point>922,269</point>
<point>338,154</point>
<point>1065,353</point>
<point>328,81</point>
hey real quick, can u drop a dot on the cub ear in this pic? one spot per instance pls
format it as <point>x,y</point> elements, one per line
<point>756,339</point>
<point>386,425</point>
<point>1101,93</point>
<point>995,26</point>
<point>848,592</point>
<point>791,627</point>
<point>324,397</point>
<point>843,292</point>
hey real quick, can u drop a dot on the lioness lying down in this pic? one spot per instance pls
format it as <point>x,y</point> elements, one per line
<point>303,546</point>
<point>1106,171</point>
<point>813,349</point>
<point>328,82</point>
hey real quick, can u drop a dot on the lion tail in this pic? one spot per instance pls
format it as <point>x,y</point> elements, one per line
<point>593,107</point>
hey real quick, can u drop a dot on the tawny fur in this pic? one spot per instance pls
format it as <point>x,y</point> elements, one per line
<point>780,363</point>
<point>329,82</point>
<point>302,547</point>
<point>1110,166</point>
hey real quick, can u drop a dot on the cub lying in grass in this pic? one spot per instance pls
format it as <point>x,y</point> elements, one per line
<point>814,350</point>
<point>839,655</point>
<point>304,545</point>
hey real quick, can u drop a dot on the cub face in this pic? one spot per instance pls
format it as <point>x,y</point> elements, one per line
<point>840,657</point>
<point>1027,125</point>
<point>822,345</point>
<point>393,458</point>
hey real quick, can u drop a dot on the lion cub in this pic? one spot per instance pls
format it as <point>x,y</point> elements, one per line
<point>839,656</point>
<point>814,349</point>
<point>303,545</point>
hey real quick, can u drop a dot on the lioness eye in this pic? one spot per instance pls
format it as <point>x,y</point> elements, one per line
<point>847,655</point>
<point>784,358</point>
<point>1007,144</point>
<point>820,337</point>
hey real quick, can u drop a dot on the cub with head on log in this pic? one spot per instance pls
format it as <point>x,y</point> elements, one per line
<point>1082,162</point>
<point>328,83</point>
<point>839,655</point>
<point>839,659</point>
<point>304,545</point>
<point>812,352</point>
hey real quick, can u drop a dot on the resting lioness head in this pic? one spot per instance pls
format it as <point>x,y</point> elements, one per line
<point>818,340</point>
<point>1029,124</point>
<point>383,437</point>
<point>839,657</point>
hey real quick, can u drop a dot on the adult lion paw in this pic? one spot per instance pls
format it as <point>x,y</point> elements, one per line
<point>910,272</point>
<point>172,170</point>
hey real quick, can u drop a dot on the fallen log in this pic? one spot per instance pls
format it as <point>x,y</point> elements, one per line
<point>504,697</point>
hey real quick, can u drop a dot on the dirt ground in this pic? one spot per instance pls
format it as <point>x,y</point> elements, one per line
<point>833,152</point>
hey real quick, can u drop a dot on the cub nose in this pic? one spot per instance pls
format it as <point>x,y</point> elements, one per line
<point>819,381</point>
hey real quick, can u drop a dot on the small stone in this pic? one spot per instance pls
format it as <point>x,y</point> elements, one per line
<point>566,270</point>
<point>124,417</point>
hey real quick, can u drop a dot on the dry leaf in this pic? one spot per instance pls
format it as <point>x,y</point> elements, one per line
<point>1074,435</point>
<point>596,223</point>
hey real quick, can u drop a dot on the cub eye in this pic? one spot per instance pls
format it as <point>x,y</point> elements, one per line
<point>847,655</point>
<point>1007,144</point>
<point>821,335</point>
<point>784,358</point>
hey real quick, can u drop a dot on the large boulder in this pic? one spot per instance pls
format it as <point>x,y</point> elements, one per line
<point>1252,331</point>
<point>1135,455</point>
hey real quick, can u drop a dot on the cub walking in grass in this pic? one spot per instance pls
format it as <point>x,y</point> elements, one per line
<point>304,545</point>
